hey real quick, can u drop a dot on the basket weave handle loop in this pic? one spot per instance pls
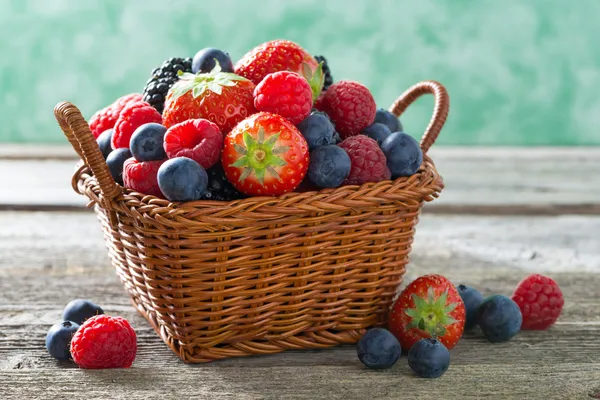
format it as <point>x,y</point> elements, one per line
<point>440,110</point>
<point>78,132</point>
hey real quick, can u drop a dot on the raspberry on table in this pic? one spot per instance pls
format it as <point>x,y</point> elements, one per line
<point>368,163</point>
<point>132,117</point>
<point>106,118</point>
<point>142,176</point>
<point>198,139</point>
<point>285,93</point>
<point>351,107</point>
<point>540,300</point>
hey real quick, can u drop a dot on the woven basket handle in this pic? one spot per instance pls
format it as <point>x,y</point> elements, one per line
<point>440,110</point>
<point>78,132</point>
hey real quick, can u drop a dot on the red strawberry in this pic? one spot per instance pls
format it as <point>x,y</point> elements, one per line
<point>223,98</point>
<point>265,155</point>
<point>133,116</point>
<point>285,93</point>
<point>281,55</point>
<point>351,107</point>
<point>540,300</point>
<point>430,306</point>
<point>107,117</point>
<point>142,176</point>
<point>198,139</point>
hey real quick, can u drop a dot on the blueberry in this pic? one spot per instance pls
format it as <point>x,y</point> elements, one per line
<point>182,179</point>
<point>317,129</point>
<point>329,166</point>
<point>147,142</point>
<point>378,349</point>
<point>79,310</point>
<point>429,358</point>
<point>472,299</point>
<point>387,118</point>
<point>104,142</point>
<point>115,162</point>
<point>403,153</point>
<point>337,138</point>
<point>499,318</point>
<point>377,131</point>
<point>58,339</point>
<point>204,60</point>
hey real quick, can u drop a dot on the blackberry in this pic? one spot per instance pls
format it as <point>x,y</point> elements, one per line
<point>328,81</point>
<point>219,188</point>
<point>162,79</point>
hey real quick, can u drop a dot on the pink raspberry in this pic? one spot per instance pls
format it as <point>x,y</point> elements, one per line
<point>134,115</point>
<point>106,118</point>
<point>368,163</point>
<point>142,176</point>
<point>540,300</point>
<point>350,106</point>
<point>198,139</point>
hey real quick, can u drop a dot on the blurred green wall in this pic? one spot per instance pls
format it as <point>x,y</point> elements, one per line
<point>518,72</point>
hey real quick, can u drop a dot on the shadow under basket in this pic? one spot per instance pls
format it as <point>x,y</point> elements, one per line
<point>263,274</point>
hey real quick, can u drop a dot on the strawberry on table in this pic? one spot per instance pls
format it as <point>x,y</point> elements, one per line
<point>265,155</point>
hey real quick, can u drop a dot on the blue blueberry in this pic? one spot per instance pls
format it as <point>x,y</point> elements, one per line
<point>403,153</point>
<point>182,179</point>
<point>472,299</point>
<point>317,129</point>
<point>429,358</point>
<point>104,142</point>
<point>147,142</point>
<point>387,118</point>
<point>329,166</point>
<point>378,349</point>
<point>58,339</point>
<point>337,138</point>
<point>79,310</point>
<point>377,131</point>
<point>499,318</point>
<point>204,60</point>
<point>115,161</point>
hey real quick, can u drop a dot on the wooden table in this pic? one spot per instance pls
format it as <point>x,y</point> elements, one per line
<point>504,214</point>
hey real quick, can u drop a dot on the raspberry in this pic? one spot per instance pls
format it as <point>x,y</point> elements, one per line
<point>141,176</point>
<point>320,103</point>
<point>133,116</point>
<point>285,93</point>
<point>350,106</point>
<point>540,300</point>
<point>107,117</point>
<point>198,139</point>
<point>368,163</point>
<point>104,342</point>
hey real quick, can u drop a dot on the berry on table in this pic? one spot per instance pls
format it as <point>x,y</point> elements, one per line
<point>147,142</point>
<point>219,188</point>
<point>107,117</point>
<point>115,161</point>
<point>182,179</point>
<point>205,60</point>
<point>198,139</point>
<point>367,159</point>
<point>472,299</point>
<point>285,93</point>
<point>378,349</point>
<point>162,79</point>
<point>327,78</point>
<point>132,117</point>
<point>376,131</point>
<point>351,107</point>
<point>104,142</point>
<point>58,339</point>
<point>141,176</point>
<point>499,318</point>
<point>104,342</point>
<point>540,300</point>
<point>429,358</point>
<point>329,166</point>
<point>317,129</point>
<point>403,153</point>
<point>80,310</point>
<point>390,120</point>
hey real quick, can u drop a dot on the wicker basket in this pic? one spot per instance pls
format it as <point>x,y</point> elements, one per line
<point>264,274</point>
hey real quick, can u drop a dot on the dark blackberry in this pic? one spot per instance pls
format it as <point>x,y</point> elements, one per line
<point>328,81</point>
<point>162,79</point>
<point>219,188</point>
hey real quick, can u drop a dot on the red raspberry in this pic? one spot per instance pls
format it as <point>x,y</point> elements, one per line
<point>350,106</point>
<point>198,139</point>
<point>285,93</point>
<point>368,161</point>
<point>132,117</point>
<point>104,342</point>
<point>107,117</point>
<point>141,176</point>
<point>320,102</point>
<point>540,300</point>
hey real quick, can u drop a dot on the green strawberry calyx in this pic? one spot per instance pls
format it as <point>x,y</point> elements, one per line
<point>199,83</point>
<point>314,78</point>
<point>259,156</point>
<point>430,314</point>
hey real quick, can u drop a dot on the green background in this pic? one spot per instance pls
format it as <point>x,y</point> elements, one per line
<point>518,72</point>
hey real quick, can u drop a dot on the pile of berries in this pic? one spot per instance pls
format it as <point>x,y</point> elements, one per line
<point>431,315</point>
<point>272,123</point>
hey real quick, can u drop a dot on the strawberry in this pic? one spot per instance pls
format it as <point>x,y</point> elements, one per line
<point>223,98</point>
<point>429,307</point>
<point>265,155</point>
<point>281,55</point>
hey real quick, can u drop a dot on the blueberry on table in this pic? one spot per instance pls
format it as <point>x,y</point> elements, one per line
<point>403,154</point>
<point>104,142</point>
<point>147,142</point>
<point>429,358</point>
<point>80,310</point>
<point>115,161</point>
<point>317,129</point>
<point>387,118</point>
<point>499,318</point>
<point>204,60</point>
<point>329,166</point>
<point>378,349</point>
<point>472,299</point>
<point>58,339</point>
<point>182,179</point>
<point>377,131</point>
